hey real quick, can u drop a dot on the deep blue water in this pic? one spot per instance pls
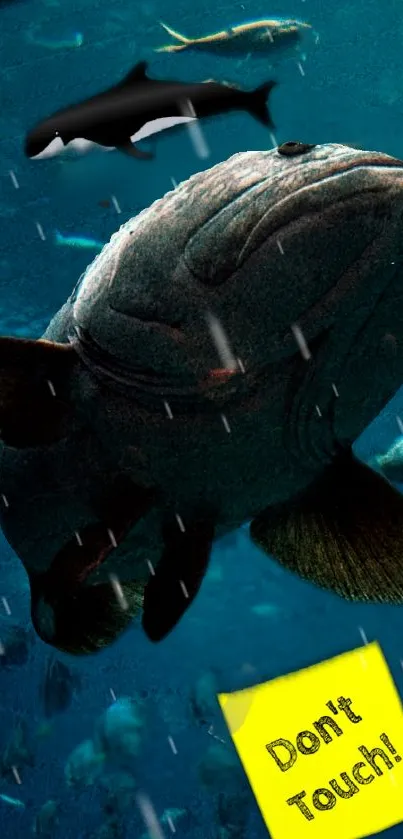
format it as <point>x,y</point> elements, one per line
<point>351,91</point>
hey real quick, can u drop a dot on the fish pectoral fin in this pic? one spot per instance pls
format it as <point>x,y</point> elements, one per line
<point>34,378</point>
<point>178,576</point>
<point>344,534</point>
<point>129,148</point>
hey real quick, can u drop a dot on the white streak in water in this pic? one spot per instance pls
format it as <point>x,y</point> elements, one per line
<point>6,606</point>
<point>180,523</point>
<point>300,339</point>
<point>171,824</point>
<point>363,635</point>
<point>168,409</point>
<point>40,231</point>
<point>16,774</point>
<point>200,146</point>
<point>14,179</point>
<point>115,204</point>
<point>112,538</point>
<point>120,597</point>
<point>221,342</point>
<point>149,816</point>
<point>184,589</point>
<point>226,424</point>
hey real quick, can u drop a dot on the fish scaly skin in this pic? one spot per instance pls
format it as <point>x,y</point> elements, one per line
<point>285,269</point>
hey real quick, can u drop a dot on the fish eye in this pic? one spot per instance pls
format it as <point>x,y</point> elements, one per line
<point>293,148</point>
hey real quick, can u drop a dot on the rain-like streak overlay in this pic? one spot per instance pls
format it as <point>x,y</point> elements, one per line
<point>129,741</point>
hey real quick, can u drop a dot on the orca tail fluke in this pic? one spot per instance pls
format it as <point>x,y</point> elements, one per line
<point>258,106</point>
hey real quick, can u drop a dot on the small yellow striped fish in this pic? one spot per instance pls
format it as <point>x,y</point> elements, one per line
<point>259,36</point>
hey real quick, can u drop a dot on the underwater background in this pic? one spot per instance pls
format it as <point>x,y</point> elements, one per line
<point>74,753</point>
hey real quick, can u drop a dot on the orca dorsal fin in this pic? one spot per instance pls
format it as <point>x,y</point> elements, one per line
<point>136,74</point>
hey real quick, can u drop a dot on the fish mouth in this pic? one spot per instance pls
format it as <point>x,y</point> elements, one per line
<point>85,552</point>
<point>126,377</point>
<point>56,593</point>
<point>156,386</point>
<point>92,545</point>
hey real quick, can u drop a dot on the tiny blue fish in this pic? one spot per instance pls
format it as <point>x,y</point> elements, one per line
<point>83,242</point>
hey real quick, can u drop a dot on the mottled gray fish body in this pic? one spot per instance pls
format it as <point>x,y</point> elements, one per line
<point>214,365</point>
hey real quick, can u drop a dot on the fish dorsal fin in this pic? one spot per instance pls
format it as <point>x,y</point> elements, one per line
<point>344,533</point>
<point>136,74</point>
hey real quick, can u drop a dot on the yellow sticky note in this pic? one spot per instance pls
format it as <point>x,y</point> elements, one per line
<point>323,748</point>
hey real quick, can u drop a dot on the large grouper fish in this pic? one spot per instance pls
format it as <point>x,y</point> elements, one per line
<point>212,367</point>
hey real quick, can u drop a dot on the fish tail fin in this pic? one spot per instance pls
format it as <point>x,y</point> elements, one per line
<point>59,238</point>
<point>174,34</point>
<point>258,106</point>
<point>183,41</point>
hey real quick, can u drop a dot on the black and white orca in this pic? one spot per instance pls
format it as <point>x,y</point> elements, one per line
<point>140,107</point>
